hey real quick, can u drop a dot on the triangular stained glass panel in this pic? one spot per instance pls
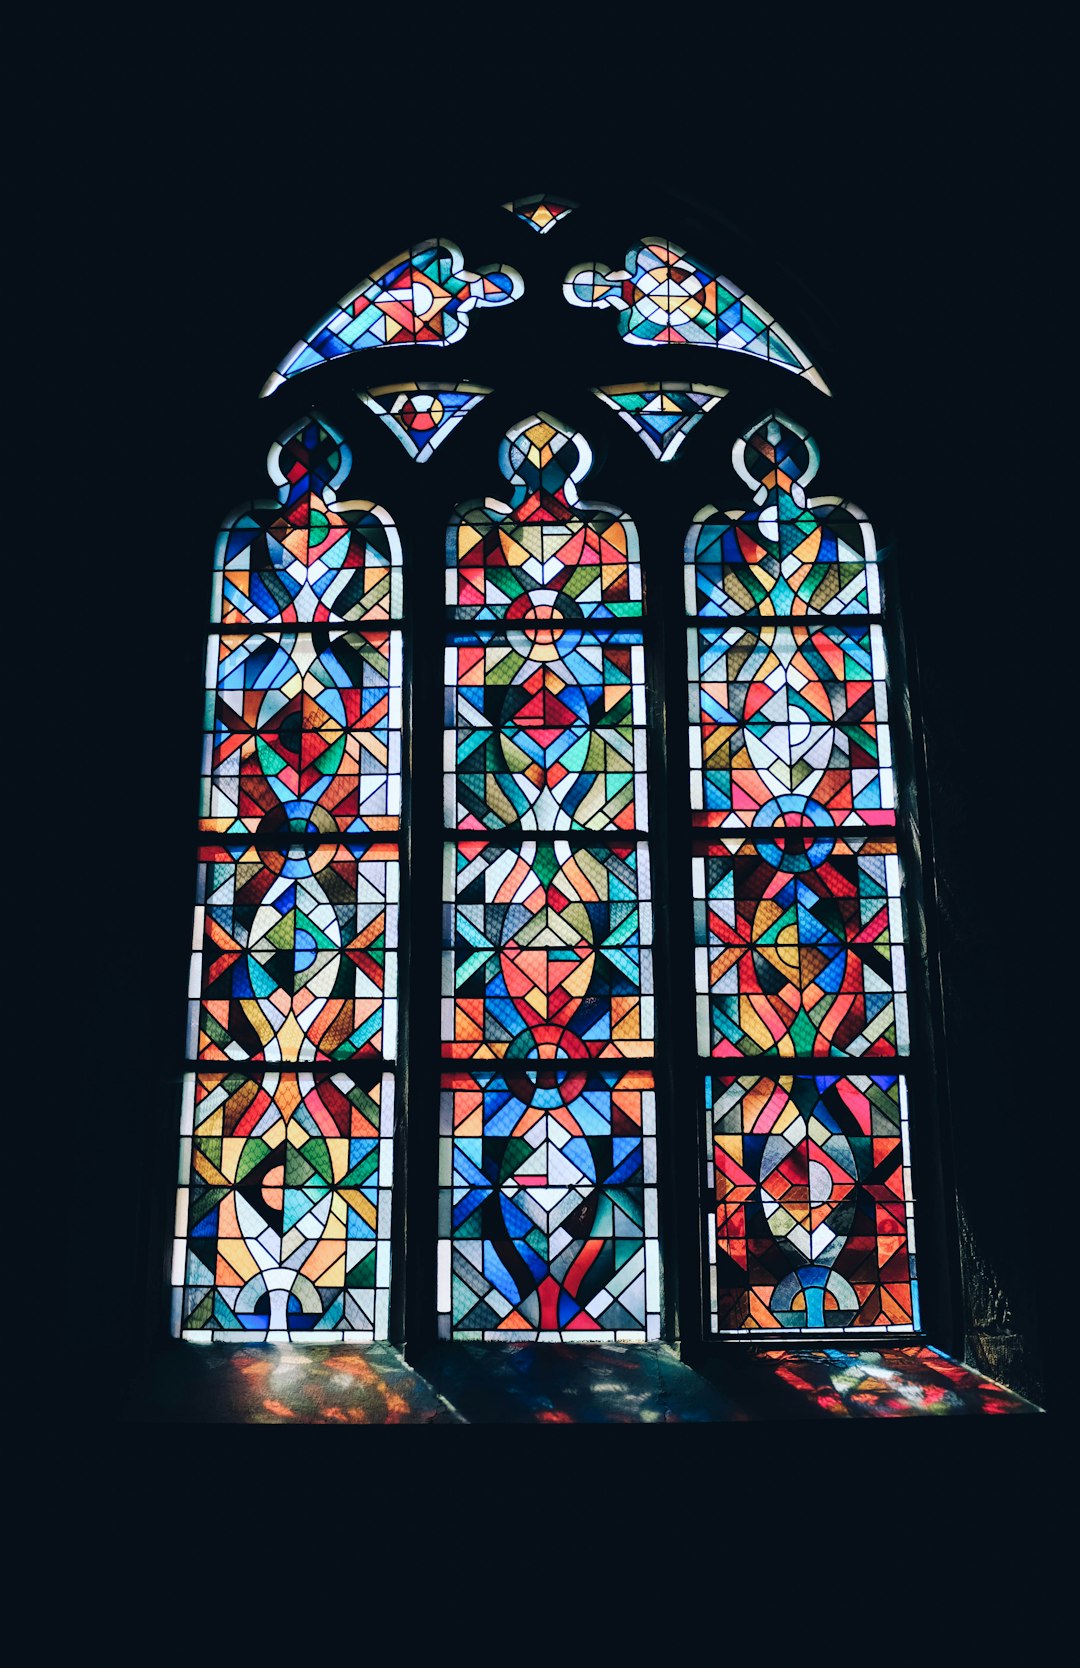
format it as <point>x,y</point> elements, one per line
<point>541,212</point>
<point>661,413</point>
<point>422,414</point>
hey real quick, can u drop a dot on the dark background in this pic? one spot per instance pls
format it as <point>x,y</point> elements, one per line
<point>895,198</point>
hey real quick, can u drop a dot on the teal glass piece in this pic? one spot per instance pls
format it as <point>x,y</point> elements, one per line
<point>662,414</point>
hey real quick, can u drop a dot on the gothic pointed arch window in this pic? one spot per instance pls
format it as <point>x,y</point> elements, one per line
<point>553,972</point>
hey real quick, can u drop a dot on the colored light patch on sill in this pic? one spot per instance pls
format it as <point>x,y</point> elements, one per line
<point>896,1383</point>
<point>547,1206</point>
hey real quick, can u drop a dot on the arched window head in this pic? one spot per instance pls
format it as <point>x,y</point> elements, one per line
<point>308,557</point>
<point>545,549</point>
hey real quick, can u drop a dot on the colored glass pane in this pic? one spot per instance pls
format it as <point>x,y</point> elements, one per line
<point>547,951</point>
<point>547,729</point>
<point>548,1205</point>
<point>665,297</point>
<point>789,717</point>
<point>800,945</point>
<point>421,297</point>
<point>545,555</point>
<point>812,1210</point>
<point>283,1216</point>
<point>422,414</point>
<point>295,953</point>
<point>661,414</point>
<point>542,211</point>
<point>304,733</point>
<point>307,557</point>
<point>790,554</point>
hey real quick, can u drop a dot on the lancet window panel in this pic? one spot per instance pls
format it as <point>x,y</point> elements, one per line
<point>799,921</point>
<point>287,1146</point>
<point>548,1218</point>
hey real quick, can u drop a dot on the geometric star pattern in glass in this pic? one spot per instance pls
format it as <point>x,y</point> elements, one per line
<point>548,1205</point>
<point>548,951</point>
<point>420,298</point>
<point>306,733</point>
<point>789,715</point>
<point>283,1210</point>
<point>664,297</point>
<point>548,729</point>
<point>800,945</point>
<point>812,1206</point>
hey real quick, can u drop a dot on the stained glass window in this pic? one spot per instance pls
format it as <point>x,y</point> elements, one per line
<point>548,1223</point>
<point>663,296</point>
<point>542,212</point>
<point>568,892</point>
<point>422,414</point>
<point>799,918</point>
<point>420,298</point>
<point>661,414</point>
<point>286,1170</point>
